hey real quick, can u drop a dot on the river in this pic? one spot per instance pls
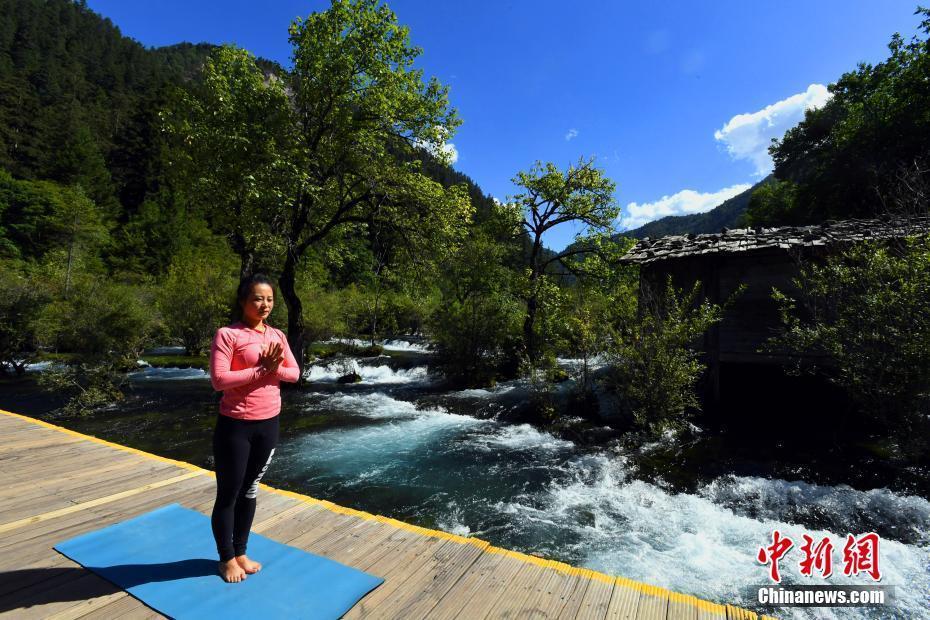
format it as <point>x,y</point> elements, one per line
<point>395,444</point>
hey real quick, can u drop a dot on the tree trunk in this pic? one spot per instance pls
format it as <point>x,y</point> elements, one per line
<point>68,273</point>
<point>246,255</point>
<point>529,338</point>
<point>247,265</point>
<point>295,317</point>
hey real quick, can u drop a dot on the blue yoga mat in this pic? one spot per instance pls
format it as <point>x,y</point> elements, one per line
<point>167,559</point>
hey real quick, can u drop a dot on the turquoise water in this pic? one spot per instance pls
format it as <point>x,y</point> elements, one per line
<point>395,444</point>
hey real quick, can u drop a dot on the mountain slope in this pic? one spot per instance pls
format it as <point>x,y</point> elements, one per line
<point>725,215</point>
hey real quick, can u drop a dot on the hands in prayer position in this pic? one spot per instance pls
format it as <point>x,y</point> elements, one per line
<point>271,356</point>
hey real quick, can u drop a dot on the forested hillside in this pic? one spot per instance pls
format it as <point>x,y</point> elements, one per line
<point>78,105</point>
<point>729,214</point>
<point>121,192</point>
<point>865,153</point>
<point>139,187</point>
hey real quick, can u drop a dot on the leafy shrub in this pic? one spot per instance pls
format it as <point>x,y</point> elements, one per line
<point>866,311</point>
<point>653,365</point>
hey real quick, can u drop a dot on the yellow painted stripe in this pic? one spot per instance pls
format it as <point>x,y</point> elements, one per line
<point>12,525</point>
<point>468,540</point>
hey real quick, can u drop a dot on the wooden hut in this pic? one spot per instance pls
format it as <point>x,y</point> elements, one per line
<point>760,259</point>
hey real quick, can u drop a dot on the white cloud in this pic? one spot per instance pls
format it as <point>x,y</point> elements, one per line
<point>446,149</point>
<point>572,133</point>
<point>685,202</point>
<point>449,149</point>
<point>748,136</point>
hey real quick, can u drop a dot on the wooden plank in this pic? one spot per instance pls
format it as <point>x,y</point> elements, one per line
<point>285,512</point>
<point>125,607</point>
<point>738,613</point>
<point>427,574</point>
<point>82,474</point>
<point>375,557</point>
<point>624,601</point>
<point>121,605</point>
<point>711,611</point>
<point>26,440</point>
<point>52,482</point>
<point>324,533</point>
<point>47,454</point>
<point>31,531</point>
<point>49,570</point>
<point>301,522</point>
<point>496,583</point>
<point>395,568</point>
<point>682,607</point>
<point>52,596</point>
<point>54,460</point>
<point>575,596</point>
<point>95,441</point>
<point>58,465</point>
<point>361,537</point>
<point>89,605</point>
<point>423,590</point>
<point>653,604</point>
<point>38,548</point>
<point>549,593</point>
<point>38,581</point>
<point>596,599</point>
<point>83,489</point>
<point>6,527</point>
<point>470,585</point>
<point>130,607</point>
<point>45,534</point>
<point>511,597</point>
<point>144,472</point>
<point>267,505</point>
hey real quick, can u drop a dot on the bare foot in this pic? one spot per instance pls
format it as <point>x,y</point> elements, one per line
<point>231,571</point>
<point>248,565</point>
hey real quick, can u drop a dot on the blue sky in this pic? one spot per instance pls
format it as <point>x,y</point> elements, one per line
<point>676,100</point>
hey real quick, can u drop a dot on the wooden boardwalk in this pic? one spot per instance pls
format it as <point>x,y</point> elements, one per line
<point>59,483</point>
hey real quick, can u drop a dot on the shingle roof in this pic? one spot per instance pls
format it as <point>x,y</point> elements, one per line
<point>734,240</point>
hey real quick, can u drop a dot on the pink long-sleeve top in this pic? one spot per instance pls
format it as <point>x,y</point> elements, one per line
<point>250,391</point>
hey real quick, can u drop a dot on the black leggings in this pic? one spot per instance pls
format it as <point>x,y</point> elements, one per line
<point>242,451</point>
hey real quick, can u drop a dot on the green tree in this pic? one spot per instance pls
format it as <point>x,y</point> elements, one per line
<point>326,155</point>
<point>773,204</point>
<point>78,224</point>
<point>227,140</point>
<point>22,297</point>
<point>478,312</point>
<point>844,156</point>
<point>194,298</point>
<point>604,290</point>
<point>104,326</point>
<point>39,216</point>
<point>653,363</point>
<point>74,157</point>
<point>551,197</point>
<point>866,314</point>
<point>359,103</point>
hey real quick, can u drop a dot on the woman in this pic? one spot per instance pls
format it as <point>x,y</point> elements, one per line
<point>248,360</point>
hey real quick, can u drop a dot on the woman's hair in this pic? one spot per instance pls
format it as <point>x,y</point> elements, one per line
<point>245,289</point>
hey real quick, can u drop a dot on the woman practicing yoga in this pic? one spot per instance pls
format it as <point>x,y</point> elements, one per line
<point>248,360</point>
